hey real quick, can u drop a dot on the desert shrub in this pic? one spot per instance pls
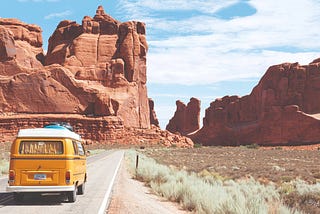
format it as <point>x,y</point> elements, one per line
<point>286,188</point>
<point>4,166</point>
<point>286,178</point>
<point>252,146</point>
<point>202,195</point>
<point>211,177</point>
<point>197,145</point>
<point>299,195</point>
<point>96,151</point>
<point>302,187</point>
<point>307,202</point>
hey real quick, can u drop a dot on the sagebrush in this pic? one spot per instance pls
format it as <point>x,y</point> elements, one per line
<point>205,194</point>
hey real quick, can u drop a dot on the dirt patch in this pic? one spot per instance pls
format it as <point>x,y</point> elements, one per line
<point>277,164</point>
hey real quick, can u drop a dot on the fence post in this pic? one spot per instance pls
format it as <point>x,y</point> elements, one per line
<point>137,161</point>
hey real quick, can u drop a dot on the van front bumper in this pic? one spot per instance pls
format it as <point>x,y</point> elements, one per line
<point>40,188</point>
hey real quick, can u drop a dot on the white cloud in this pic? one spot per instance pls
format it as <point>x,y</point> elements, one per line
<point>142,6</point>
<point>203,49</point>
<point>58,15</point>
<point>199,66</point>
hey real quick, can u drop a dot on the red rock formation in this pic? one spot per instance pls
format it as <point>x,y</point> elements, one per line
<point>102,69</point>
<point>283,109</point>
<point>94,77</point>
<point>89,49</point>
<point>153,117</point>
<point>186,119</point>
<point>103,130</point>
<point>24,43</point>
<point>111,53</point>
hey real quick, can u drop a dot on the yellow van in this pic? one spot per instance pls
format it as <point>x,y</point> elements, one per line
<point>47,160</point>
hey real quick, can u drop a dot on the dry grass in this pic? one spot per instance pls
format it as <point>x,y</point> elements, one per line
<point>289,171</point>
<point>207,194</point>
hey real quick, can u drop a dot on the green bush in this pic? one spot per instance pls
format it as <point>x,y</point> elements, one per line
<point>252,146</point>
<point>197,145</point>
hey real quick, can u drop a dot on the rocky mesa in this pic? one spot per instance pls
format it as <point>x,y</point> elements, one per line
<point>283,109</point>
<point>93,72</point>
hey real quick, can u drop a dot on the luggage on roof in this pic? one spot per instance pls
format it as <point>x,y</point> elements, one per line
<point>59,125</point>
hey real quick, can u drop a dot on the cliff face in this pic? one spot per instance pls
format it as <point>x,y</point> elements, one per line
<point>98,130</point>
<point>95,69</point>
<point>93,76</point>
<point>89,49</point>
<point>283,109</point>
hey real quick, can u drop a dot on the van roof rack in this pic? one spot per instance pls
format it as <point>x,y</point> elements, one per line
<point>59,125</point>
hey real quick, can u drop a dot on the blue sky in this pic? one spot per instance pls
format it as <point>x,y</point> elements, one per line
<point>201,48</point>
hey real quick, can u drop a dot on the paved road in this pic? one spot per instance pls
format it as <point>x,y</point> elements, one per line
<point>101,170</point>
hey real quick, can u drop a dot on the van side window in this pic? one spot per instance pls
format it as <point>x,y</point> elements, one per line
<point>80,148</point>
<point>75,148</point>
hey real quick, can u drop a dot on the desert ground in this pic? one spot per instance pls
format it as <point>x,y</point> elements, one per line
<point>277,166</point>
<point>267,164</point>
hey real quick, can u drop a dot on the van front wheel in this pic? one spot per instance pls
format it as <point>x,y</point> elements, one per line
<point>72,196</point>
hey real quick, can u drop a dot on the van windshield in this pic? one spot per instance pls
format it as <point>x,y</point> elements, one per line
<point>41,147</point>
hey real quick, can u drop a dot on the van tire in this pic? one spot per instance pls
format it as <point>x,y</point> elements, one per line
<point>72,196</point>
<point>81,188</point>
<point>18,197</point>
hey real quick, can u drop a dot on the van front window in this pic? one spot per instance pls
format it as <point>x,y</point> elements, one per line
<point>41,147</point>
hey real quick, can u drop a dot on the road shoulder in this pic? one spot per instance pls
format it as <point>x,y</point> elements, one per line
<point>132,197</point>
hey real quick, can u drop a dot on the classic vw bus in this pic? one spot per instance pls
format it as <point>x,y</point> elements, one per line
<point>47,160</point>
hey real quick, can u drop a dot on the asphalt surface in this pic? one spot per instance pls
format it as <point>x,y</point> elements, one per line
<point>101,169</point>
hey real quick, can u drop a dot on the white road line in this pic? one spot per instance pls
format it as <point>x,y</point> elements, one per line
<point>107,195</point>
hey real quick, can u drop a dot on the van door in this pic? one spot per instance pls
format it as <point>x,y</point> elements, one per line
<point>40,162</point>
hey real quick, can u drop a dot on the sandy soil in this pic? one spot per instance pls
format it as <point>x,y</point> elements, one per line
<point>276,164</point>
<point>132,197</point>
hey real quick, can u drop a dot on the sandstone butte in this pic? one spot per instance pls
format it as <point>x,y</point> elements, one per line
<point>186,119</point>
<point>93,76</point>
<point>283,109</point>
